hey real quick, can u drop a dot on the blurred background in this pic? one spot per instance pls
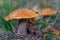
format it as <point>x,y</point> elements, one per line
<point>8,6</point>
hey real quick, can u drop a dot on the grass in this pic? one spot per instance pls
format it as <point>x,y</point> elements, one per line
<point>7,7</point>
<point>10,5</point>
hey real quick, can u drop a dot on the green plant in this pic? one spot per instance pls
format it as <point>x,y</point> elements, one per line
<point>7,26</point>
<point>43,24</point>
<point>7,7</point>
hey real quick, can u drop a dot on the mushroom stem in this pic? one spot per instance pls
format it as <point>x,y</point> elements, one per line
<point>22,28</point>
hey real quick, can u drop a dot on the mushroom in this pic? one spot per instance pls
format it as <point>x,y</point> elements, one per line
<point>48,12</point>
<point>22,15</point>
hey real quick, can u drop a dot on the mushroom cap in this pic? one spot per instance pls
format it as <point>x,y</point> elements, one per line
<point>48,12</point>
<point>21,14</point>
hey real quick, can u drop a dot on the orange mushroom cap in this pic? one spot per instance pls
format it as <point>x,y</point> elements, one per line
<point>48,12</point>
<point>21,14</point>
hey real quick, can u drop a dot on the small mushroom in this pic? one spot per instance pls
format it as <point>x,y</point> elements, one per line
<point>23,15</point>
<point>48,12</point>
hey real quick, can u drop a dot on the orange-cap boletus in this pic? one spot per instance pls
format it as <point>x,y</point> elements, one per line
<point>21,14</point>
<point>48,12</point>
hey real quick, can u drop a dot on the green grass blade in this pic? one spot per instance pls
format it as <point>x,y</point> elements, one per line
<point>7,25</point>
